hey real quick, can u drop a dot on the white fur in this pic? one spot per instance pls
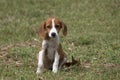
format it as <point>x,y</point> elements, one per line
<point>53,30</point>
<point>40,57</point>
<point>52,47</point>
<point>56,62</point>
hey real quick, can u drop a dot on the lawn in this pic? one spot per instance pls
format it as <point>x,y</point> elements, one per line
<point>93,36</point>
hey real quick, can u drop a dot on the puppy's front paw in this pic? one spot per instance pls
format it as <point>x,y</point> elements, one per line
<point>54,70</point>
<point>38,71</point>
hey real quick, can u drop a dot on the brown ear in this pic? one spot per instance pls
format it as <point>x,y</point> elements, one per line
<point>64,29</point>
<point>42,30</point>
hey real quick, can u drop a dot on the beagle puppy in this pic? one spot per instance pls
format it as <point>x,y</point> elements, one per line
<point>51,54</point>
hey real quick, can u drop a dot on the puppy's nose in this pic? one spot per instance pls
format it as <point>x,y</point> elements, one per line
<point>53,34</point>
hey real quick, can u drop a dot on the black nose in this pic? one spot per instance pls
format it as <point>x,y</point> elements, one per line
<point>53,34</point>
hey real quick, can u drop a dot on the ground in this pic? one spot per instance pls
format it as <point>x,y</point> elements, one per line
<point>93,36</point>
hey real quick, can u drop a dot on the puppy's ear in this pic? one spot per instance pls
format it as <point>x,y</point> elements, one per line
<point>64,28</point>
<point>42,30</point>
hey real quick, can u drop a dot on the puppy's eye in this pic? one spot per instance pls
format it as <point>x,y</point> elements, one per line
<point>48,27</point>
<point>57,26</point>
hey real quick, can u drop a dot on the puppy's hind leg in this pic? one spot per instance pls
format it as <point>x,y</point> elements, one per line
<point>62,62</point>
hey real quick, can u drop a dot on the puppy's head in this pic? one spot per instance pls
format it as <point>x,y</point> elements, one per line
<point>51,28</point>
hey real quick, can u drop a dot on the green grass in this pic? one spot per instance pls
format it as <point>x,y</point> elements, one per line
<point>93,36</point>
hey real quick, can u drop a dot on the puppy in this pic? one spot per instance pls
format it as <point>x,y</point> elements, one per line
<point>51,54</point>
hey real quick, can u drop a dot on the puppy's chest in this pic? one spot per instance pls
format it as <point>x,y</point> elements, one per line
<point>51,49</point>
<point>50,53</point>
